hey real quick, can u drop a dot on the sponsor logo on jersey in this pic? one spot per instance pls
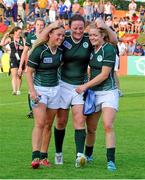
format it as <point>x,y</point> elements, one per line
<point>85,45</point>
<point>47,60</point>
<point>67,44</point>
<point>99,58</point>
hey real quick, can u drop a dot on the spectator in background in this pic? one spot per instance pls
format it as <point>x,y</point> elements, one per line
<point>130,48</point>
<point>32,6</point>
<point>109,21</point>
<point>139,51</point>
<point>108,9</point>
<point>88,10</point>
<point>19,22</point>
<point>15,11</point>
<point>2,10</point>
<point>116,24</point>
<point>122,47</point>
<point>62,10</point>
<point>132,8</point>
<point>99,9</point>
<point>75,7</point>
<point>142,12</point>
<point>137,26</point>
<point>16,44</point>
<point>21,9</point>
<point>53,11</point>
<point>69,8</point>
<point>8,5</point>
<point>31,18</point>
<point>46,18</point>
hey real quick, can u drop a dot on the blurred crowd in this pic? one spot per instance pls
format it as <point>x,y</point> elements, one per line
<point>21,14</point>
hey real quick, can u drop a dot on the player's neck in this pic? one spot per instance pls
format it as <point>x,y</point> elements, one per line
<point>52,48</point>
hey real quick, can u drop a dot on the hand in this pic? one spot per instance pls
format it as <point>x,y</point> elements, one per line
<point>44,34</point>
<point>55,25</point>
<point>81,88</point>
<point>33,96</point>
<point>100,23</point>
<point>19,71</point>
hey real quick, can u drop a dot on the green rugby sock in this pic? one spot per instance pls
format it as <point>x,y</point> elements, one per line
<point>80,136</point>
<point>110,154</point>
<point>43,155</point>
<point>59,137</point>
<point>35,154</point>
<point>89,150</point>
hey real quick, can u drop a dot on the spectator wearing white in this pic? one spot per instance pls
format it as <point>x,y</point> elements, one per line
<point>21,10</point>
<point>122,47</point>
<point>19,22</point>
<point>68,5</point>
<point>53,6</point>
<point>108,9</point>
<point>8,5</point>
<point>88,10</point>
<point>132,8</point>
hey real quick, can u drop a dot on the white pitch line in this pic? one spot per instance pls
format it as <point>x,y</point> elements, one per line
<point>12,103</point>
<point>129,93</point>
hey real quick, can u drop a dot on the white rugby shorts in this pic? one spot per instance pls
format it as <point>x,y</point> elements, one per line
<point>107,99</point>
<point>68,95</point>
<point>50,96</point>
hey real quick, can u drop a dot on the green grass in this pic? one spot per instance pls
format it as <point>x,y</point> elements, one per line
<point>15,138</point>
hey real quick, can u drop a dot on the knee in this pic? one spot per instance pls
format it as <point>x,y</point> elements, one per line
<point>48,127</point>
<point>40,125</point>
<point>79,123</point>
<point>61,123</point>
<point>91,131</point>
<point>108,127</point>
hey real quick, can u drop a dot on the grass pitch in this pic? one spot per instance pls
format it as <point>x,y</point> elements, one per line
<point>15,138</point>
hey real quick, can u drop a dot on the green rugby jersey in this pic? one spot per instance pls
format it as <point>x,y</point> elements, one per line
<point>105,56</point>
<point>46,65</point>
<point>30,39</point>
<point>75,59</point>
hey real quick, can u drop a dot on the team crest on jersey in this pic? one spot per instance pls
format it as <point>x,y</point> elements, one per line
<point>67,44</point>
<point>99,58</point>
<point>91,56</point>
<point>85,45</point>
<point>47,60</point>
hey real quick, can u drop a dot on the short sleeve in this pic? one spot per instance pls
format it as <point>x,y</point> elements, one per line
<point>34,58</point>
<point>109,56</point>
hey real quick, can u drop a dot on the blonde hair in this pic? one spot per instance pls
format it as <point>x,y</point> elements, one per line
<point>37,43</point>
<point>41,41</point>
<point>102,31</point>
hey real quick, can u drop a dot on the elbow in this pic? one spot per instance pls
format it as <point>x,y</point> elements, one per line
<point>104,77</point>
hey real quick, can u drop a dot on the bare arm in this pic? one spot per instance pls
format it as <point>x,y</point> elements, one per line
<point>112,34</point>
<point>29,78</point>
<point>95,81</point>
<point>5,40</point>
<point>44,34</point>
<point>24,56</point>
